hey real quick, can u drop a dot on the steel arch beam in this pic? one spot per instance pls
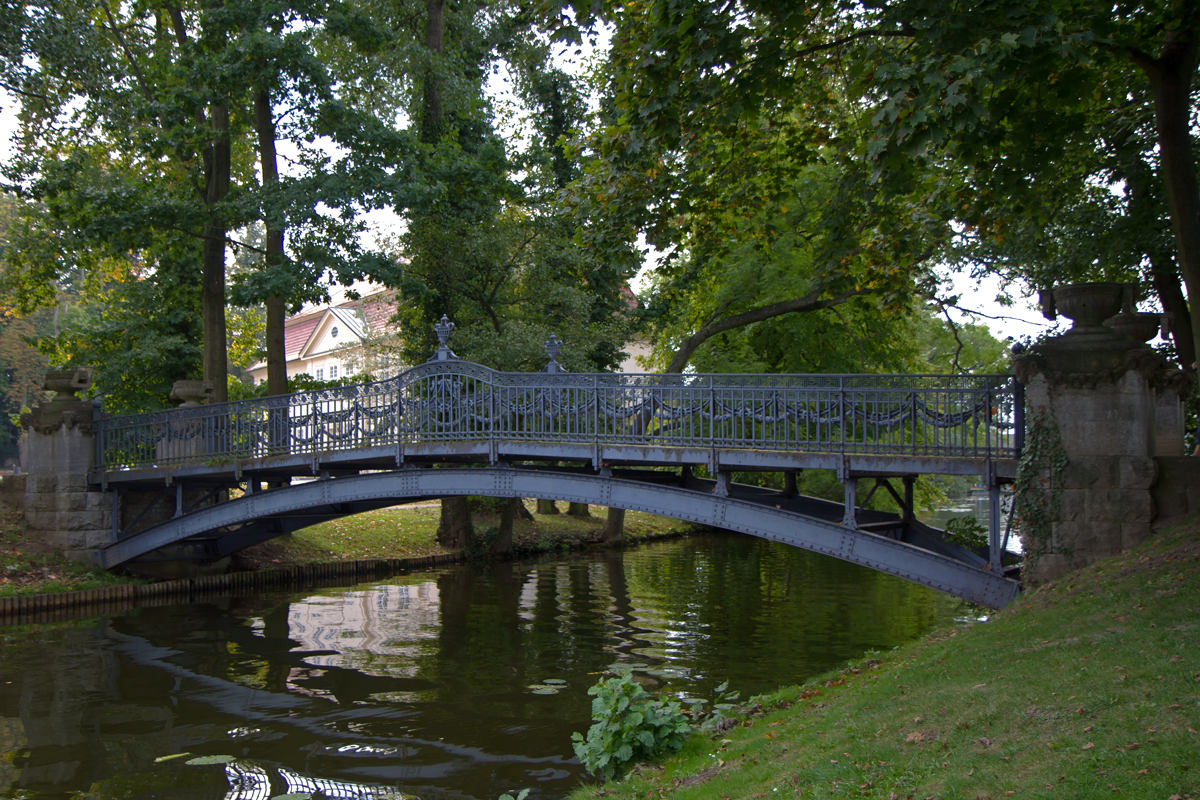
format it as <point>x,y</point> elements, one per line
<point>395,487</point>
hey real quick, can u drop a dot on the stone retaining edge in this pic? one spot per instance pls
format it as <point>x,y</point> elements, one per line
<point>65,606</point>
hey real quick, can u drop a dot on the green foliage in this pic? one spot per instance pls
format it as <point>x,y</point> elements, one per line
<point>1038,485</point>
<point>969,347</point>
<point>240,390</point>
<point>141,333</point>
<point>968,532</point>
<point>521,795</point>
<point>708,716</point>
<point>1074,692</point>
<point>629,725</point>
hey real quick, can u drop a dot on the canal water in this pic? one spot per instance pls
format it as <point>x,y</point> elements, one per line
<point>462,682</point>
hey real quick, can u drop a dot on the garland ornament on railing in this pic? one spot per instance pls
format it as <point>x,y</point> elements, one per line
<point>447,399</point>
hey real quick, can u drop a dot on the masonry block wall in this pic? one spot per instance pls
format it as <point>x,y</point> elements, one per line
<point>1110,426</point>
<point>59,506</point>
<point>1176,493</point>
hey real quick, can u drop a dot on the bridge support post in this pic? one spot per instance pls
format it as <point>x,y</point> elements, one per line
<point>994,549</point>
<point>1096,398</point>
<point>849,517</point>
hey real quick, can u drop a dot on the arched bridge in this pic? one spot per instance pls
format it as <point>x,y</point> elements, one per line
<point>450,427</point>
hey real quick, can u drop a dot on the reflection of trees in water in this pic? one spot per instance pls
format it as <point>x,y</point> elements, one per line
<point>77,713</point>
<point>441,667</point>
<point>798,612</point>
<point>528,622</point>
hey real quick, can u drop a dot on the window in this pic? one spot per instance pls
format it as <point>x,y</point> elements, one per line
<point>333,372</point>
<point>333,333</point>
<point>321,374</point>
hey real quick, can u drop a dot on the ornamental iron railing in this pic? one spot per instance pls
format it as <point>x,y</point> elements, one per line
<point>450,400</point>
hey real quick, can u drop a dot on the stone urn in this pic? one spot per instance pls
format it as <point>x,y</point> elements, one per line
<point>1090,346</point>
<point>191,393</point>
<point>1088,305</point>
<point>1138,326</point>
<point>66,382</point>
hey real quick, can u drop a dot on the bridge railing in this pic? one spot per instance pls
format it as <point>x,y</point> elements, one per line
<point>456,401</point>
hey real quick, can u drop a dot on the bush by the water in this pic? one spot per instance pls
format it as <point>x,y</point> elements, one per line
<point>630,725</point>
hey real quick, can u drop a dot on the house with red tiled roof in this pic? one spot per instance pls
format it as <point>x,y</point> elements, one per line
<point>346,338</point>
<point>355,337</point>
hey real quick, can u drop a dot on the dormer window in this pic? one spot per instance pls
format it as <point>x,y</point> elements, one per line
<point>333,333</point>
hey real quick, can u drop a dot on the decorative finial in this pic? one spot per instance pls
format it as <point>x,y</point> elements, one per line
<point>553,345</point>
<point>443,330</point>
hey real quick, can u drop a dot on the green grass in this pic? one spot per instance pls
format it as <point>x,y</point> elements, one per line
<point>410,531</point>
<point>27,566</point>
<point>1088,687</point>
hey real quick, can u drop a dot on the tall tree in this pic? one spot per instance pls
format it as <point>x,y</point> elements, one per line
<point>956,113</point>
<point>126,133</point>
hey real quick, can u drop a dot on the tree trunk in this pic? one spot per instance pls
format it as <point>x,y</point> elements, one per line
<point>431,97</point>
<point>504,540</point>
<point>1144,211</point>
<point>264,123</point>
<point>522,511</point>
<point>217,159</point>
<point>578,510</point>
<point>1171,83</point>
<point>613,532</point>
<point>455,530</point>
<point>546,507</point>
<point>1170,295</point>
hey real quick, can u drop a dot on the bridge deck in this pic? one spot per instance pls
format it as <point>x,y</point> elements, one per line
<point>627,441</point>
<point>455,412</point>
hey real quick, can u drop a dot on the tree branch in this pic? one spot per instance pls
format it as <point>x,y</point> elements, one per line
<point>8,87</point>
<point>816,48</point>
<point>954,332</point>
<point>808,302</point>
<point>133,65</point>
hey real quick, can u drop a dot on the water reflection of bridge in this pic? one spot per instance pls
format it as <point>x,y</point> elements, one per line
<point>449,427</point>
<point>425,703</point>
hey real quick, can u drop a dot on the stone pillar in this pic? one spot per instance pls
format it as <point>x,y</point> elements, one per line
<point>1100,407</point>
<point>59,507</point>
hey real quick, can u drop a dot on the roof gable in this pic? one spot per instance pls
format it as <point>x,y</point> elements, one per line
<point>337,327</point>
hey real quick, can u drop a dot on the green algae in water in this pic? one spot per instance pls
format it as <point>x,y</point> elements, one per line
<point>206,760</point>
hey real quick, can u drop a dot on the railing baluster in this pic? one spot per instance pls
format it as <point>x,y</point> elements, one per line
<point>887,415</point>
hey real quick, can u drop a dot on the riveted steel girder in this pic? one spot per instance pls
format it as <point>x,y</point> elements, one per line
<point>322,498</point>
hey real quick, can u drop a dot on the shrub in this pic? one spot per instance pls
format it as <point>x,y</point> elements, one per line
<point>629,725</point>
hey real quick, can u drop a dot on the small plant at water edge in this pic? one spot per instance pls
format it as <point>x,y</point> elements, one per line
<point>629,725</point>
<point>713,717</point>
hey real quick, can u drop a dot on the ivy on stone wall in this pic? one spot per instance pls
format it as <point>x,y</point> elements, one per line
<point>1038,484</point>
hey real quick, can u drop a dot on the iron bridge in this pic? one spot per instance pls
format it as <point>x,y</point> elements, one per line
<point>450,427</point>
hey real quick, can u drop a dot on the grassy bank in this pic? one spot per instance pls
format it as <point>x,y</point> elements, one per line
<point>28,566</point>
<point>1088,687</point>
<point>409,531</point>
